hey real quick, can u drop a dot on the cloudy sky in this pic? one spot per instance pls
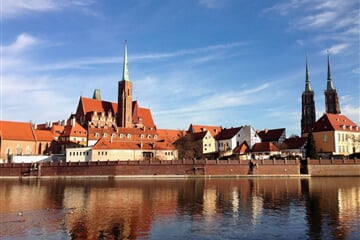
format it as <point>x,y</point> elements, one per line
<point>218,62</point>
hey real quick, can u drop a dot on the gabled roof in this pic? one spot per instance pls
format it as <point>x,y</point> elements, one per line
<point>44,135</point>
<point>227,133</point>
<point>242,148</point>
<point>334,122</point>
<point>170,135</point>
<point>214,130</point>
<point>92,105</point>
<point>75,130</point>
<point>140,115</point>
<point>22,131</point>
<point>294,143</point>
<point>198,135</point>
<point>271,135</point>
<point>265,147</point>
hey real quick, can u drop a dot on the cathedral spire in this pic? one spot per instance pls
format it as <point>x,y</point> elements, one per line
<point>125,67</point>
<point>330,85</point>
<point>307,82</point>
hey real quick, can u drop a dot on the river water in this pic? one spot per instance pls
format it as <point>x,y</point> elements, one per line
<point>216,208</point>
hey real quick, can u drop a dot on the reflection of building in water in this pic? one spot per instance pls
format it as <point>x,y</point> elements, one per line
<point>235,200</point>
<point>349,204</point>
<point>332,204</point>
<point>257,209</point>
<point>209,208</point>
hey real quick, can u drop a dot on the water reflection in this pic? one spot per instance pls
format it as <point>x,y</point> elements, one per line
<point>247,208</point>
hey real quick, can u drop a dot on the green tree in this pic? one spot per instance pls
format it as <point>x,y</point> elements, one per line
<point>311,147</point>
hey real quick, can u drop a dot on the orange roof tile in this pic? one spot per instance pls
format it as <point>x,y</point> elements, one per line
<point>265,147</point>
<point>74,131</point>
<point>44,135</point>
<point>335,122</point>
<point>10,130</point>
<point>140,114</point>
<point>242,148</point>
<point>214,130</point>
<point>170,135</point>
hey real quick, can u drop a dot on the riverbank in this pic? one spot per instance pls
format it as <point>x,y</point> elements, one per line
<point>184,168</point>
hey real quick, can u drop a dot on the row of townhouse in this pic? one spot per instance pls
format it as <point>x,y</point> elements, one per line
<point>242,143</point>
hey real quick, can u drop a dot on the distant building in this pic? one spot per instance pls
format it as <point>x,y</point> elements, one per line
<point>276,136</point>
<point>336,134</point>
<point>308,114</point>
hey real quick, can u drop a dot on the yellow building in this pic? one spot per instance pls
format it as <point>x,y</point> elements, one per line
<point>336,134</point>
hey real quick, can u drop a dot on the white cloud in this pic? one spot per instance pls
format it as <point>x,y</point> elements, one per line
<point>17,8</point>
<point>335,49</point>
<point>351,112</point>
<point>22,43</point>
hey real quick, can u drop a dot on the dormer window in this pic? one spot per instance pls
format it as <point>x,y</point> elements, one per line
<point>148,136</point>
<point>128,135</point>
<point>155,136</point>
<point>96,135</point>
<point>105,135</point>
<point>121,135</point>
<point>142,136</point>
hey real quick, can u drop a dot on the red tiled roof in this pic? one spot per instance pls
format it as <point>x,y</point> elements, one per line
<point>74,131</point>
<point>214,130</point>
<point>136,134</point>
<point>265,147</point>
<point>334,122</point>
<point>227,133</point>
<point>170,135</point>
<point>10,130</point>
<point>242,148</point>
<point>92,105</point>
<point>295,142</point>
<point>44,135</point>
<point>271,135</point>
<point>139,114</point>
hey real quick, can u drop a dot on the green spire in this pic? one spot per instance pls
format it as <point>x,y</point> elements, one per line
<point>125,67</point>
<point>330,85</point>
<point>307,82</point>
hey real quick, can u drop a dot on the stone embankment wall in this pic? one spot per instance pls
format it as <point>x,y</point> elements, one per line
<point>152,168</point>
<point>333,167</point>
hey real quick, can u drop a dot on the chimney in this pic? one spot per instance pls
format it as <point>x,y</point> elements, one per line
<point>73,121</point>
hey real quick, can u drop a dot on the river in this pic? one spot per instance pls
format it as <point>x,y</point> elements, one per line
<point>170,208</point>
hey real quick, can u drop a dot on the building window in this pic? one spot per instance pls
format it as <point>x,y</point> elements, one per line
<point>325,137</point>
<point>96,135</point>
<point>128,135</point>
<point>155,136</point>
<point>142,136</point>
<point>121,135</point>
<point>105,135</point>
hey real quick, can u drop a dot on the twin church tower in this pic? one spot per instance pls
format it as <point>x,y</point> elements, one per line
<point>332,105</point>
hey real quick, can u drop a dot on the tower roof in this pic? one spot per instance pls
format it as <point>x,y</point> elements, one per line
<point>330,85</point>
<point>307,82</point>
<point>125,67</point>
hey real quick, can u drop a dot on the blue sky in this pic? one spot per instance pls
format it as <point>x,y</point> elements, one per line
<point>216,62</point>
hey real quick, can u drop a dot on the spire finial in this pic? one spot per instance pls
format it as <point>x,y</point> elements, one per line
<point>307,82</point>
<point>125,67</point>
<point>329,79</point>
